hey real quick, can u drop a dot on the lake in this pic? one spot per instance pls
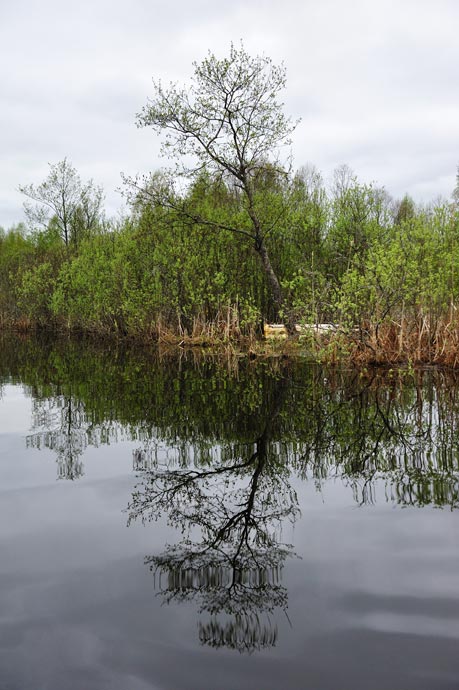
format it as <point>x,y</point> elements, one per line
<point>182,521</point>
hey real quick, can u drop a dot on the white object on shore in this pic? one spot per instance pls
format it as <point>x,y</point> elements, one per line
<point>278,330</point>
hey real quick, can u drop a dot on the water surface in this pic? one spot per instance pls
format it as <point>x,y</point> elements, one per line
<point>184,522</point>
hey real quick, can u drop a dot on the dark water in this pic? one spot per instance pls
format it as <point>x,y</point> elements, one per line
<point>184,523</point>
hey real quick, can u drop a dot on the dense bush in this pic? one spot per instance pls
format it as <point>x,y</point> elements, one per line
<point>351,256</point>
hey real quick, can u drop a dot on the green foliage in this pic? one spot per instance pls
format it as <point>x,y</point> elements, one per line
<point>350,257</point>
<point>230,237</point>
<point>88,289</point>
<point>34,293</point>
<point>230,121</point>
<point>405,210</point>
<point>16,253</point>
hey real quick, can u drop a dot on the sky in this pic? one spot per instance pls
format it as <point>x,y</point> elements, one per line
<point>375,83</point>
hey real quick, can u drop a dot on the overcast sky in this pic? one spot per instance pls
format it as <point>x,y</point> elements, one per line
<point>375,82</point>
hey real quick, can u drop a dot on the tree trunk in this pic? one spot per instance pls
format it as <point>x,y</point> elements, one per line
<point>275,287</point>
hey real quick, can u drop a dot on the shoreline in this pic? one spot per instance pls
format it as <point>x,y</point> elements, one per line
<point>356,348</point>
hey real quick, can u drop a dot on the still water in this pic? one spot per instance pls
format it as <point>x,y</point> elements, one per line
<point>190,523</point>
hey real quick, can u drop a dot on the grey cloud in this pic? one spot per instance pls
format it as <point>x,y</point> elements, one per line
<point>374,83</point>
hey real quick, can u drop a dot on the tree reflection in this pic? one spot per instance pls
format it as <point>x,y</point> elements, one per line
<point>392,435</point>
<point>391,429</point>
<point>229,501</point>
<point>60,424</point>
<point>222,447</point>
<point>231,554</point>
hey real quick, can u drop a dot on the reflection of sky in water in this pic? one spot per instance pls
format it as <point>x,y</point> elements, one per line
<point>24,466</point>
<point>373,600</point>
<point>15,410</point>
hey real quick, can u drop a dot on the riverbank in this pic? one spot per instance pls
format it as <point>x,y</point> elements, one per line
<point>405,343</point>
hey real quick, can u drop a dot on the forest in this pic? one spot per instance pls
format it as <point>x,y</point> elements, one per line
<point>384,272</point>
<point>208,253</point>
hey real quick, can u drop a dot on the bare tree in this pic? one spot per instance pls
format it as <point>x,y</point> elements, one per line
<point>230,123</point>
<point>74,207</point>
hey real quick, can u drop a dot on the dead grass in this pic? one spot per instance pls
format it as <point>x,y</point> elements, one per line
<point>416,341</point>
<point>419,341</point>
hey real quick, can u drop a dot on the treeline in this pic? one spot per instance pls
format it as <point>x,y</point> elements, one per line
<point>384,272</point>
